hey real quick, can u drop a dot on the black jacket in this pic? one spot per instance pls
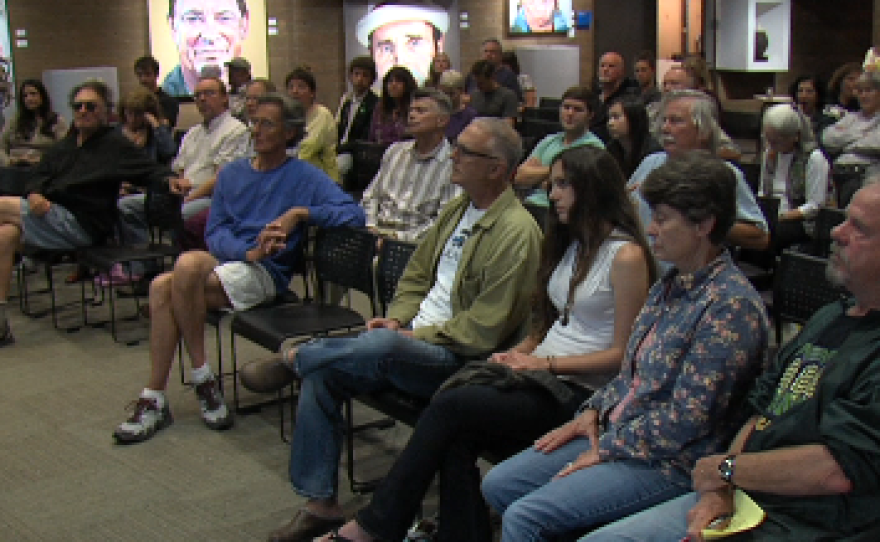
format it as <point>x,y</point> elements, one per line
<point>360,124</point>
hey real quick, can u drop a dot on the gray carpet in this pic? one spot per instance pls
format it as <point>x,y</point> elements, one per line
<point>65,479</point>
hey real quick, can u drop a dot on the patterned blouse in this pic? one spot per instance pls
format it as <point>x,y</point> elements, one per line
<point>687,389</point>
<point>387,129</point>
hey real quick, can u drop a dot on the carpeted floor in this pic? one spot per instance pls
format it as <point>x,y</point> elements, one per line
<point>63,478</point>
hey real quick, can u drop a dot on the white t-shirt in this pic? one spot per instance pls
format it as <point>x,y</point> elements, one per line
<point>436,308</point>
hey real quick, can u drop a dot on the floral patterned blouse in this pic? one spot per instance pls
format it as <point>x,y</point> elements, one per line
<point>687,389</point>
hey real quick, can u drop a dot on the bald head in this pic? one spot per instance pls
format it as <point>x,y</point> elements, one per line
<point>611,69</point>
<point>678,78</point>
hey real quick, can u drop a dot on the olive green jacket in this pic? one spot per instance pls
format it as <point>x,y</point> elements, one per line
<point>491,295</point>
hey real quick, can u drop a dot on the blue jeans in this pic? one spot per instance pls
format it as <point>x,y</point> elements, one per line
<point>335,369</point>
<point>535,506</point>
<point>666,522</point>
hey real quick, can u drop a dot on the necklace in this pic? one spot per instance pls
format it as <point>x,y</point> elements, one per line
<point>572,285</point>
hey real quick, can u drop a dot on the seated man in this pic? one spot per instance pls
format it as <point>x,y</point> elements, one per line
<point>574,115</point>
<point>464,294</point>
<point>810,453</point>
<point>205,148</point>
<point>146,69</point>
<point>611,84</point>
<point>355,110</point>
<point>77,182</point>
<point>413,181</point>
<point>489,98</point>
<point>253,89</point>
<point>688,123</point>
<point>252,233</point>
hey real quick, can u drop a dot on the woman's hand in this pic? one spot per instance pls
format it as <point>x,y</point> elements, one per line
<point>585,425</point>
<point>715,507</point>
<point>519,361</point>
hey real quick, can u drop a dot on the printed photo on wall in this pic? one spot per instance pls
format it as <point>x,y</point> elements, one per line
<point>198,38</point>
<point>539,16</point>
<point>406,33</point>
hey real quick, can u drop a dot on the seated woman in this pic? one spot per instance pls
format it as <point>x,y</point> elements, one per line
<point>596,268</point>
<point>842,91</point>
<point>439,65</point>
<point>631,138</point>
<point>319,146</point>
<point>389,117</point>
<point>808,93</point>
<point>793,170</point>
<point>854,140</point>
<point>695,347</point>
<point>35,128</point>
<point>142,117</point>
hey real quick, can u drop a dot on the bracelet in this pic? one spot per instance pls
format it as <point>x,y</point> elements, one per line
<point>552,368</point>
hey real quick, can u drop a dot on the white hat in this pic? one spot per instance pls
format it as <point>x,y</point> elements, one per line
<point>384,14</point>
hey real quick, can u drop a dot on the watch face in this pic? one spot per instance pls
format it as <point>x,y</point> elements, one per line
<point>725,469</point>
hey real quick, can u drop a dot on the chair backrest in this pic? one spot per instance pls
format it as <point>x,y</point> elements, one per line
<point>366,160</point>
<point>546,102</point>
<point>539,128</point>
<point>801,288</point>
<point>770,208</point>
<point>826,220</point>
<point>393,257</point>
<point>162,209</point>
<point>344,256</point>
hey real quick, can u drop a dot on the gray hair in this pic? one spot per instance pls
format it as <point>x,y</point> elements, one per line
<point>703,114</point>
<point>790,122</point>
<point>452,79</point>
<point>444,104</point>
<point>293,111</point>
<point>504,142</point>
<point>268,86</point>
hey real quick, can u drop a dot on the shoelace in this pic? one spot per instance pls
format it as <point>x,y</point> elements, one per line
<point>138,407</point>
<point>208,393</point>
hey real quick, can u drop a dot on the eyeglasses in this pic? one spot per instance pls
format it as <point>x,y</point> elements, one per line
<point>205,93</point>
<point>90,106</point>
<point>470,152</point>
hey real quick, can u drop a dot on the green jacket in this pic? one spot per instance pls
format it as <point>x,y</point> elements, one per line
<point>491,295</point>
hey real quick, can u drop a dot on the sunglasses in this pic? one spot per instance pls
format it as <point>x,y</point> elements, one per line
<point>90,106</point>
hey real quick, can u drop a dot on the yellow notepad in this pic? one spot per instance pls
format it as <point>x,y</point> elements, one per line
<point>747,515</point>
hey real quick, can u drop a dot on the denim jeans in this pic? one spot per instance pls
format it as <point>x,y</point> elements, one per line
<point>536,506</point>
<point>665,522</point>
<point>335,369</point>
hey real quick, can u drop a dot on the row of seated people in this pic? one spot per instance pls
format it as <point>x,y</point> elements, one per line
<point>458,308</point>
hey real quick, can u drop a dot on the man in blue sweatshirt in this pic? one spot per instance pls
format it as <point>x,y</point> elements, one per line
<point>258,215</point>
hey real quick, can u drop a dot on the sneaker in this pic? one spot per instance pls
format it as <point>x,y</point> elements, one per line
<point>214,411</point>
<point>424,530</point>
<point>144,422</point>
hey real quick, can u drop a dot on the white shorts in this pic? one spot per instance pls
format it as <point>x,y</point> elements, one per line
<point>246,284</point>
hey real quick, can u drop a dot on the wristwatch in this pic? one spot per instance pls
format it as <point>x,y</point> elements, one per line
<point>726,468</point>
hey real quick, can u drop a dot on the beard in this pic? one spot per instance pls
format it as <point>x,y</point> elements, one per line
<point>832,271</point>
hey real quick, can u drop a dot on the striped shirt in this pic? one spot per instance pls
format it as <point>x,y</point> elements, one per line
<point>410,189</point>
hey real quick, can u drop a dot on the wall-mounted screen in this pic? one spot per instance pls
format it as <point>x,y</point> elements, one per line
<point>539,16</point>
<point>189,37</point>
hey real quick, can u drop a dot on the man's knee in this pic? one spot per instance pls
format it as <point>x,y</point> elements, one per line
<point>193,264</point>
<point>160,289</point>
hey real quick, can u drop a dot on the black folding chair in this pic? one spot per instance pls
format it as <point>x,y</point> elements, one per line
<point>826,220</point>
<point>366,160</point>
<point>801,288</point>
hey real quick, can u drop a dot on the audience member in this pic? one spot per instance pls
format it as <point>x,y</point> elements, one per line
<point>412,185</point>
<point>206,147</point>
<point>253,91</point>
<point>574,115</point>
<point>493,53</point>
<point>808,454</point>
<point>808,93</point>
<point>146,68</point>
<point>452,84</point>
<point>76,184</point>
<point>36,127</point>
<point>631,139</point>
<point>698,341</point>
<point>439,64</point>
<point>854,140</point>
<point>794,170</point>
<point>389,116</point>
<point>255,224</point>
<point>355,110</point>
<point>842,91</point>
<point>141,116</point>
<point>530,94</point>
<point>595,272</point>
<point>611,83</point>
<point>489,98</point>
<point>646,76</point>
<point>238,72</point>
<point>464,294</point>
<point>318,147</point>
<point>688,123</point>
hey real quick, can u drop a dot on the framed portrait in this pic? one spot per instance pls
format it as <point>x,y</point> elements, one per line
<point>529,17</point>
<point>191,37</point>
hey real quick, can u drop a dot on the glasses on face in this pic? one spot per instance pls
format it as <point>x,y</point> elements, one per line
<point>90,106</point>
<point>464,151</point>
<point>205,93</point>
<point>264,124</point>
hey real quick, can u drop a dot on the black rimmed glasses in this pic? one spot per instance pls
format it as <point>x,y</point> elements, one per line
<point>89,105</point>
<point>470,152</point>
